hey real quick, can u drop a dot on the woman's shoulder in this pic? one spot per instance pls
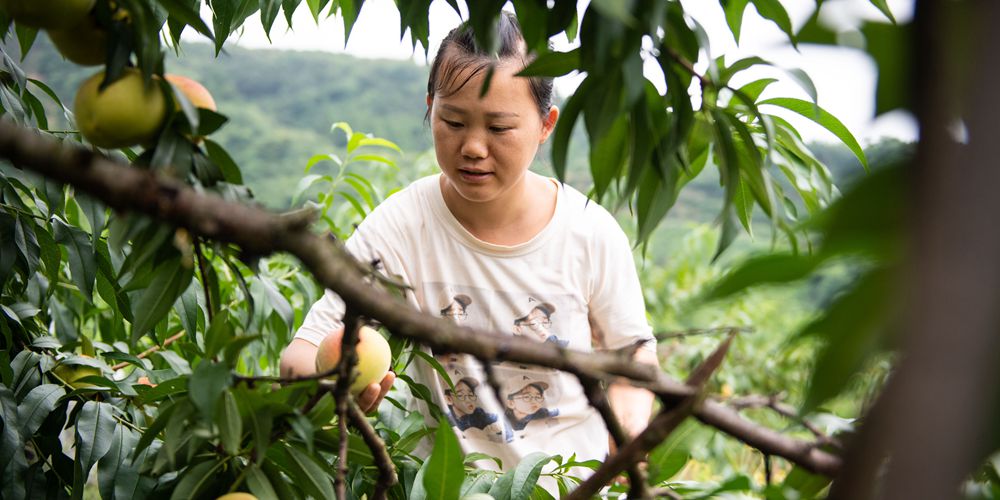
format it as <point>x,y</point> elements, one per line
<point>393,221</point>
<point>405,206</point>
<point>585,215</point>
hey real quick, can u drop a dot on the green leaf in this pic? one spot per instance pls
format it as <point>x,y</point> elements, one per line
<point>608,155</point>
<point>95,427</point>
<point>553,64</point>
<point>775,12</point>
<point>187,14</point>
<point>208,382</point>
<point>615,9</point>
<point>259,484</point>
<point>807,484</point>
<point>37,405</point>
<point>80,254</point>
<point>308,474</point>
<point>753,89</point>
<point>230,170</point>
<point>11,442</point>
<point>268,13</point>
<point>734,16</point>
<point>670,456</point>
<point>743,205</point>
<point>764,269</point>
<point>564,128</point>
<point>170,279</point>
<point>445,472</point>
<point>883,7</point>
<point>526,475</point>
<point>230,424</point>
<point>219,333</point>
<point>889,45</point>
<point>824,119</point>
<point>194,479</point>
<point>115,461</point>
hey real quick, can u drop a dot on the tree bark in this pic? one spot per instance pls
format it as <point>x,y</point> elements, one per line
<point>941,402</point>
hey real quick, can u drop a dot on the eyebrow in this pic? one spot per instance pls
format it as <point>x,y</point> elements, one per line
<point>491,114</point>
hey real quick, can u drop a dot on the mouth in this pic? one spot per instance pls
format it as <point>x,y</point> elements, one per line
<point>473,175</point>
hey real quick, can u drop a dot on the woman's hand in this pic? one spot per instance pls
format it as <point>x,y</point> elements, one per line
<point>371,397</point>
<point>299,360</point>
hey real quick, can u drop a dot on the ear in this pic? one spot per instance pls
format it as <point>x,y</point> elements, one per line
<point>549,124</point>
<point>430,100</point>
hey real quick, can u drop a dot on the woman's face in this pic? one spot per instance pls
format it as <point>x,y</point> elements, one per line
<point>527,401</point>
<point>485,146</point>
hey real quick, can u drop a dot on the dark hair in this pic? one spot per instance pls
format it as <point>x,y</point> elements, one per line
<point>462,52</point>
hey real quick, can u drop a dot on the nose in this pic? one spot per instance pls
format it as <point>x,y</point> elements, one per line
<point>474,147</point>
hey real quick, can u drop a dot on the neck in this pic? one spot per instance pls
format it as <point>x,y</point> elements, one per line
<point>512,219</point>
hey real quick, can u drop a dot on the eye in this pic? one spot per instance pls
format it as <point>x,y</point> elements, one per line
<point>499,129</point>
<point>452,124</point>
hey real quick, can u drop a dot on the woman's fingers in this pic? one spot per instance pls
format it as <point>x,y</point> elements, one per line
<point>372,396</point>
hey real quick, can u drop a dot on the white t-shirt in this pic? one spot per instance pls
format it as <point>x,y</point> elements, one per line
<point>575,276</point>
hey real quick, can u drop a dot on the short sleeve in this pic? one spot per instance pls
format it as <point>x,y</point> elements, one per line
<point>617,310</point>
<point>367,244</point>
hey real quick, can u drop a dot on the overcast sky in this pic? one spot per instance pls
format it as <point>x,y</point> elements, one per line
<point>844,78</point>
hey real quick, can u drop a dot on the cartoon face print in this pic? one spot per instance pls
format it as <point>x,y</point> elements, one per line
<point>453,305</point>
<point>464,411</point>
<point>464,399</point>
<point>536,324</point>
<point>527,401</point>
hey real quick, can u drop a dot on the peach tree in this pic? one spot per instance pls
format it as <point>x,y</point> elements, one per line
<point>145,300</point>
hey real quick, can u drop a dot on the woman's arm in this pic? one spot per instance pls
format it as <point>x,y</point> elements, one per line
<point>633,405</point>
<point>299,360</point>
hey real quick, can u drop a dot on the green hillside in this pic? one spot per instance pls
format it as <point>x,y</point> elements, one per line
<point>282,103</point>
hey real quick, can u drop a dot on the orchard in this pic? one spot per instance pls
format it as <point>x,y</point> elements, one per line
<point>146,297</point>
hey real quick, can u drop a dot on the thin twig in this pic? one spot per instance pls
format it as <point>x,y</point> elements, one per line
<point>774,403</point>
<point>387,471</point>
<point>341,394</point>
<point>204,280</point>
<point>598,398</point>
<point>702,331</point>
<point>671,415</point>
<point>151,350</point>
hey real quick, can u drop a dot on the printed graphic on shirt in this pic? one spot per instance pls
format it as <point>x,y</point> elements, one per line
<point>466,414</point>
<point>535,320</point>
<point>529,397</point>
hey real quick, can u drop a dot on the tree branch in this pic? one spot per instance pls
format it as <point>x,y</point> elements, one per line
<point>387,471</point>
<point>257,232</point>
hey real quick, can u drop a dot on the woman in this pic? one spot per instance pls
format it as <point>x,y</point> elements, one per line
<point>503,235</point>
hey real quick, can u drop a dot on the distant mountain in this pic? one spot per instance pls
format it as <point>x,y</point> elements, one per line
<point>282,103</point>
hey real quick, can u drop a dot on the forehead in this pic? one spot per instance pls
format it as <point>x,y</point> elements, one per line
<point>460,86</point>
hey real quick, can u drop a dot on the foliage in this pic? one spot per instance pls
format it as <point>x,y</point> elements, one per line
<point>185,333</point>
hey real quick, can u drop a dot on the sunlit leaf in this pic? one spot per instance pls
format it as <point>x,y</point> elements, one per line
<point>445,472</point>
<point>823,118</point>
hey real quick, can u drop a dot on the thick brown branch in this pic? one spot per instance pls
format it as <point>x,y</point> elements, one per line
<point>257,232</point>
